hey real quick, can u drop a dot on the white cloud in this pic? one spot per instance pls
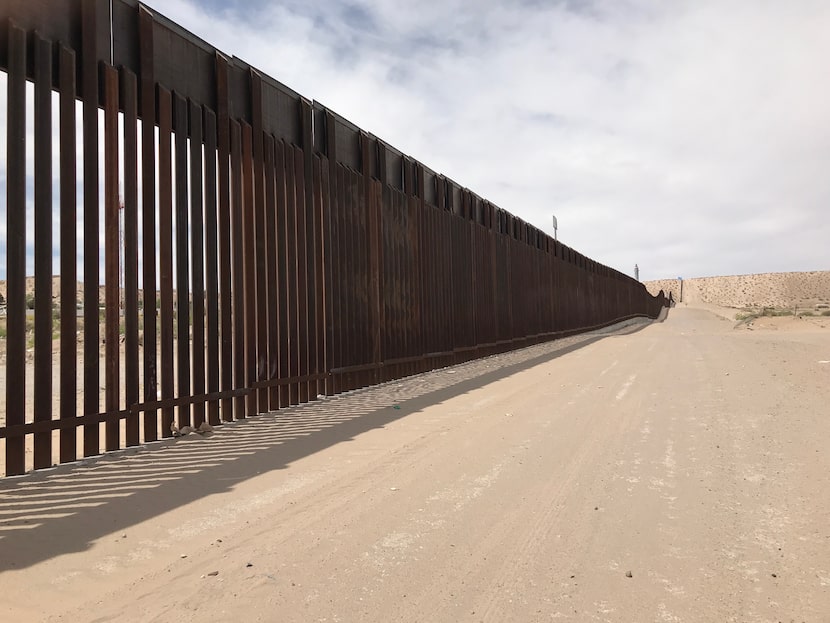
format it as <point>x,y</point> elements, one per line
<point>690,137</point>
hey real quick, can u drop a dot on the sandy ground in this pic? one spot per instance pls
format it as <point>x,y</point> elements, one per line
<point>79,397</point>
<point>676,471</point>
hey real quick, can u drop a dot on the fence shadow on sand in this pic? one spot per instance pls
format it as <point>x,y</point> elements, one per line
<point>63,510</point>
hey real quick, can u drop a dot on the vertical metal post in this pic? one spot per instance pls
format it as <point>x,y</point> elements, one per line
<point>237,267</point>
<point>180,127</point>
<point>148,218</point>
<point>212,264</point>
<point>16,249</point>
<point>89,81</point>
<point>129,104</point>
<point>69,255</point>
<point>165,105</point>
<point>197,258</point>
<point>111,258</point>
<point>249,241</point>
<point>43,249</point>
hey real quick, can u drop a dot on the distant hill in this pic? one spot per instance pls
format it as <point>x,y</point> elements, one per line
<point>806,289</point>
<point>56,289</point>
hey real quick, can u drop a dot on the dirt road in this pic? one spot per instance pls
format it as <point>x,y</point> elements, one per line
<point>678,471</point>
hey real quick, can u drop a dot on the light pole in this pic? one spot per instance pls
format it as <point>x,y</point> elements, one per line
<point>555,226</point>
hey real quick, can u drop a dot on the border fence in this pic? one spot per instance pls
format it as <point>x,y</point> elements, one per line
<point>252,250</point>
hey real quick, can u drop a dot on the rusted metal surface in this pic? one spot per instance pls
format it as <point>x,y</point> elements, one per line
<point>43,250</point>
<point>282,281</point>
<point>321,289</point>
<point>310,260</point>
<point>182,254</point>
<point>197,255</point>
<point>16,247</point>
<point>260,241</point>
<point>165,166</point>
<point>249,243</point>
<point>224,221</point>
<point>211,265</point>
<point>89,94</point>
<point>339,311</point>
<point>271,274</point>
<point>237,267</point>
<point>112,298</point>
<point>69,254</point>
<point>292,296</point>
<point>326,254</point>
<point>351,358</point>
<point>282,252</point>
<point>129,104</point>
<point>148,218</point>
<point>300,265</point>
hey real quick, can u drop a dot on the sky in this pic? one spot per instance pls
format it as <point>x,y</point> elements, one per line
<point>689,137</point>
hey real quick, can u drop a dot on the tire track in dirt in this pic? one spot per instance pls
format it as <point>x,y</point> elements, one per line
<point>545,504</point>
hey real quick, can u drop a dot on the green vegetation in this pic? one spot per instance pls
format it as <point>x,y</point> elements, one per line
<point>748,314</point>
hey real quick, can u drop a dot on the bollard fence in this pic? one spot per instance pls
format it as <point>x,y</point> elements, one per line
<point>253,249</point>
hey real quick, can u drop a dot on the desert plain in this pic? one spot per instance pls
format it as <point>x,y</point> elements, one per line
<point>672,471</point>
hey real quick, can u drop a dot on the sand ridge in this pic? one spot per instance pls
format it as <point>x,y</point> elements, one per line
<point>783,290</point>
